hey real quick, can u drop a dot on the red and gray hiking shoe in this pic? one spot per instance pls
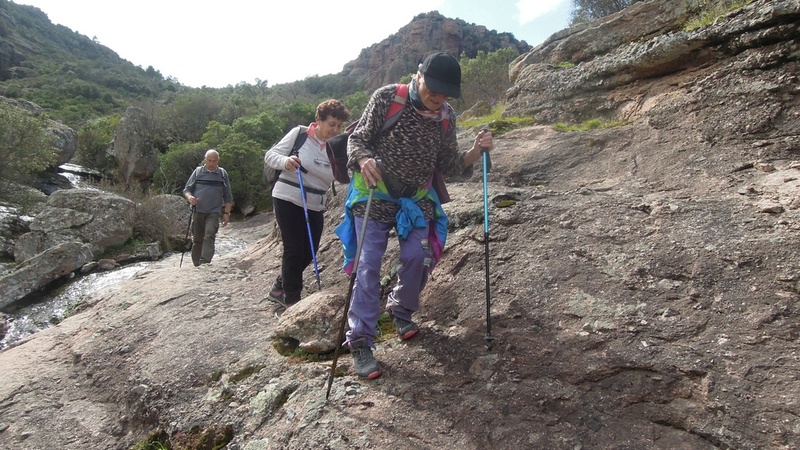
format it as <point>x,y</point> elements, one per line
<point>276,292</point>
<point>406,329</point>
<point>277,295</point>
<point>365,364</point>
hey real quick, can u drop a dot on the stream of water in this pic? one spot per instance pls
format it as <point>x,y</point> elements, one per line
<point>51,307</point>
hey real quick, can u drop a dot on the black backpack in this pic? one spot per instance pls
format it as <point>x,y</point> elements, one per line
<point>271,175</point>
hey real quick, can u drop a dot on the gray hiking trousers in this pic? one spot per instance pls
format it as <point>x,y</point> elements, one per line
<point>204,237</point>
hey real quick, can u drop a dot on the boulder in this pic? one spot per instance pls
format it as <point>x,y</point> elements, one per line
<point>42,269</point>
<point>614,68</point>
<point>65,139</point>
<point>136,157</point>
<point>479,109</point>
<point>12,225</point>
<point>312,324</point>
<point>140,253</point>
<point>99,219</point>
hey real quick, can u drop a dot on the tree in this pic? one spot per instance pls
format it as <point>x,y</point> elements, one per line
<point>94,138</point>
<point>243,159</point>
<point>25,146</point>
<point>263,128</point>
<point>191,111</point>
<point>588,10</point>
<point>485,78</point>
<point>176,166</point>
<point>216,133</point>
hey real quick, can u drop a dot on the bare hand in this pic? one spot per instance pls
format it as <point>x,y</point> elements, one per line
<point>484,140</point>
<point>370,171</point>
<point>293,163</point>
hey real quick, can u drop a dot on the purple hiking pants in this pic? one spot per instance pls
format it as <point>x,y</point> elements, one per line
<point>365,307</point>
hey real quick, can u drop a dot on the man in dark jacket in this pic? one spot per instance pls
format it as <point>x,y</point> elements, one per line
<point>208,190</point>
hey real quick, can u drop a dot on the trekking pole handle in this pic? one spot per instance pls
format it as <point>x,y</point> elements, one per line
<point>485,153</point>
<point>379,163</point>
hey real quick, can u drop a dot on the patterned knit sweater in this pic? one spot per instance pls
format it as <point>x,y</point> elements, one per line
<point>410,151</point>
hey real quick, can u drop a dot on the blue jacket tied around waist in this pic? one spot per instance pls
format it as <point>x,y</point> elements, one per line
<point>409,217</point>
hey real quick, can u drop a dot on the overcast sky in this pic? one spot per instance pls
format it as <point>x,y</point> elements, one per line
<point>224,43</point>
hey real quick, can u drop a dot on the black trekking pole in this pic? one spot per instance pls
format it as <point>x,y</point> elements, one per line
<point>350,291</point>
<point>300,171</point>
<point>486,166</point>
<point>188,229</point>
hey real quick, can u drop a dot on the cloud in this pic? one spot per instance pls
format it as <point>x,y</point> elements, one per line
<point>529,10</point>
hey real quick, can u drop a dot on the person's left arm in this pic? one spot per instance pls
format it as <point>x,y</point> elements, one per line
<point>482,141</point>
<point>452,162</point>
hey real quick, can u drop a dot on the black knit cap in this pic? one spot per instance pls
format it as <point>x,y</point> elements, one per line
<point>442,74</point>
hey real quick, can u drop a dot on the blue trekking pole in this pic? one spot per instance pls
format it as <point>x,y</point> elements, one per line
<point>486,166</point>
<point>300,171</point>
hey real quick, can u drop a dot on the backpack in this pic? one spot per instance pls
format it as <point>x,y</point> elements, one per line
<point>225,180</point>
<point>338,144</point>
<point>270,174</point>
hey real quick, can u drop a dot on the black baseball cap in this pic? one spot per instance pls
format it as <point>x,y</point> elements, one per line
<point>442,74</point>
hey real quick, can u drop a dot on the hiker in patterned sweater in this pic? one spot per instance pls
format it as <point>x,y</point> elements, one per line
<point>405,163</point>
<point>208,190</point>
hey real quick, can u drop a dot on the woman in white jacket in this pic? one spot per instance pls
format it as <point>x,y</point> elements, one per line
<point>287,202</point>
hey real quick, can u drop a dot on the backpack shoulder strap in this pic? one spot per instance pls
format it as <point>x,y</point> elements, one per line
<point>396,108</point>
<point>446,122</point>
<point>300,140</point>
<point>400,98</point>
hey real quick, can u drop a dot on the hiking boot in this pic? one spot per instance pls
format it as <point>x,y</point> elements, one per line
<point>406,329</point>
<point>276,293</point>
<point>283,299</point>
<point>365,364</point>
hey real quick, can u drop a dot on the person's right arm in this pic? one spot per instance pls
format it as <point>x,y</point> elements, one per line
<point>361,155</point>
<point>188,190</point>
<point>278,156</point>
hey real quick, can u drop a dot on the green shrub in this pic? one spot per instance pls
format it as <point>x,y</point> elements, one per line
<point>711,13</point>
<point>25,145</point>
<point>591,124</point>
<point>243,158</point>
<point>177,165</point>
<point>497,123</point>
<point>94,138</point>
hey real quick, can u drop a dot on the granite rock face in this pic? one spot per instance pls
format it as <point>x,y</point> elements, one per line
<point>643,284</point>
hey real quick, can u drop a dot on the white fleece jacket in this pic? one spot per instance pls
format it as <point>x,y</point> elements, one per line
<point>313,158</point>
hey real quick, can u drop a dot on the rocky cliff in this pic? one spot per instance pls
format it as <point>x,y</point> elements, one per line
<point>644,283</point>
<point>400,54</point>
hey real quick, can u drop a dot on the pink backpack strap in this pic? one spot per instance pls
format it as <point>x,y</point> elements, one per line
<point>396,107</point>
